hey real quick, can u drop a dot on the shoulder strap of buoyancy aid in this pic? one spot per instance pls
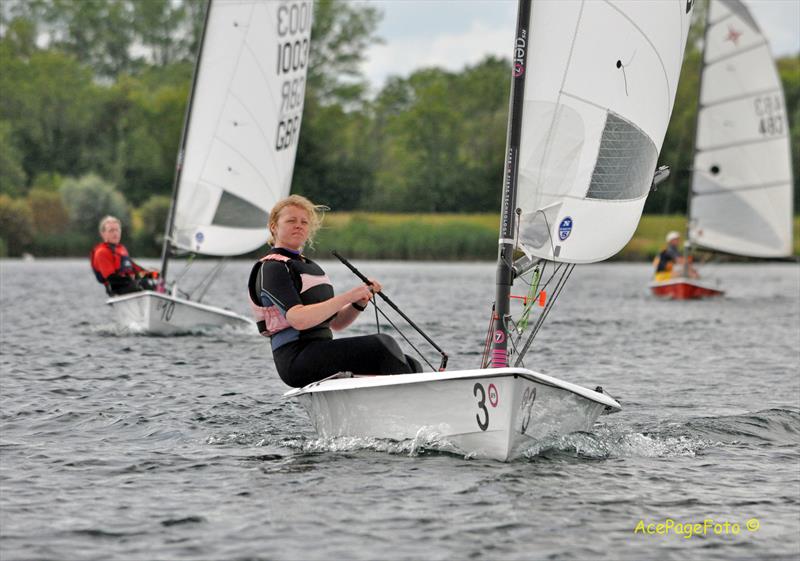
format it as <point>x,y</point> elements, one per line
<point>97,273</point>
<point>269,320</point>
<point>255,297</point>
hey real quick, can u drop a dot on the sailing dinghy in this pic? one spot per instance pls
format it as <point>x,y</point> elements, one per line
<point>582,144</point>
<point>237,152</point>
<point>741,193</point>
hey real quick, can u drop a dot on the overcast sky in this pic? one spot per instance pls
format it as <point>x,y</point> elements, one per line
<point>454,33</point>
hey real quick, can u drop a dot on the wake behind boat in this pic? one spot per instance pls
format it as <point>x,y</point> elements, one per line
<point>582,148</point>
<point>236,157</point>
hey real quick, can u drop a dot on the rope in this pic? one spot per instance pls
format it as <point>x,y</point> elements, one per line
<point>378,310</point>
<point>556,292</point>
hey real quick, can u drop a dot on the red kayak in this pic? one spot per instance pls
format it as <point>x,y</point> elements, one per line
<point>684,289</point>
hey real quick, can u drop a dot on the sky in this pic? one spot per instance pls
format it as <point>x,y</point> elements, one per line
<point>454,33</point>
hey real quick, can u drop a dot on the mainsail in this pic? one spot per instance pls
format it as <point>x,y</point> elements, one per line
<point>742,175</point>
<point>242,128</point>
<point>602,83</point>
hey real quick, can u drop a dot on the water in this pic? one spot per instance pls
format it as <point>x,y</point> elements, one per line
<point>125,447</point>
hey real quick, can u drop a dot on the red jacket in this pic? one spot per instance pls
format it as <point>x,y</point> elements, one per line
<point>109,259</point>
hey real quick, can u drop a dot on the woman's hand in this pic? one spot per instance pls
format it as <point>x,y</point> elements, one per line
<point>360,294</point>
<point>363,294</point>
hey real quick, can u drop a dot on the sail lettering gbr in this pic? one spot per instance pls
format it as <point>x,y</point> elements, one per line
<point>769,111</point>
<point>293,26</point>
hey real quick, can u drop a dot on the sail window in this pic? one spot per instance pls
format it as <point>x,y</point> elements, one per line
<point>625,163</point>
<point>235,212</point>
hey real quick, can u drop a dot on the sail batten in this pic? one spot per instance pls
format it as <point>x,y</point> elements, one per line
<point>741,175</point>
<point>242,136</point>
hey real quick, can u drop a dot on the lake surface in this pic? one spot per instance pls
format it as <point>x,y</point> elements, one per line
<point>115,446</point>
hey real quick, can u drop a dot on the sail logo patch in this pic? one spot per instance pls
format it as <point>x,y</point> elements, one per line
<point>199,237</point>
<point>565,228</point>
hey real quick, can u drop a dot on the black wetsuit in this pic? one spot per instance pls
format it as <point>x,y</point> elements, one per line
<point>309,355</point>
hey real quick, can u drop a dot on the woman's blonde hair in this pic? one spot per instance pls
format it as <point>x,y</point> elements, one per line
<point>315,215</point>
<point>106,219</point>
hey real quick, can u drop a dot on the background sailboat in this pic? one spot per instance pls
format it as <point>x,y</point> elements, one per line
<point>742,185</point>
<point>583,140</point>
<point>237,152</point>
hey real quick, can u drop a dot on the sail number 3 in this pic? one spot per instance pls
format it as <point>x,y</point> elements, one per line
<point>483,423</point>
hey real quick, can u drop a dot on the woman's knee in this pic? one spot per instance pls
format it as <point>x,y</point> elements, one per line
<point>388,342</point>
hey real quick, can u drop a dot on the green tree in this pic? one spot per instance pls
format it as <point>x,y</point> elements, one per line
<point>16,225</point>
<point>340,36</point>
<point>49,99</point>
<point>48,213</point>
<point>12,176</point>
<point>333,165</point>
<point>90,198</point>
<point>153,215</point>
<point>98,33</point>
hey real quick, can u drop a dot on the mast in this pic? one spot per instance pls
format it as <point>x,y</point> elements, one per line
<point>694,142</point>
<point>508,218</point>
<point>165,249</point>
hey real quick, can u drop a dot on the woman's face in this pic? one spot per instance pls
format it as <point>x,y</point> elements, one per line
<point>292,229</point>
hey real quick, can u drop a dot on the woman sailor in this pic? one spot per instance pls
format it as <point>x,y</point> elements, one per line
<point>295,306</point>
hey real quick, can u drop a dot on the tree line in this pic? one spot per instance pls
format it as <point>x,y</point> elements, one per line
<point>93,94</point>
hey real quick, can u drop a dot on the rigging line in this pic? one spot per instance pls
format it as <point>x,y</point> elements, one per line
<point>557,292</point>
<point>189,263</point>
<point>511,339</point>
<point>406,338</point>
<point>375,305</point>
<point>210,278</point>
<point>487,344</point>
<point>543,316</point>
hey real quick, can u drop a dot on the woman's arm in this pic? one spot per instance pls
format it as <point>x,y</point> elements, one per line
<point>348,314</point>
<point>306,316</point>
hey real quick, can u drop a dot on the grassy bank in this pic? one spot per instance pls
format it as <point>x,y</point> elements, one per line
<point>460,236</point>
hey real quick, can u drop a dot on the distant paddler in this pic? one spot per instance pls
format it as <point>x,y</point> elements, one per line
<point>295,305</point>
<point>113,266</point>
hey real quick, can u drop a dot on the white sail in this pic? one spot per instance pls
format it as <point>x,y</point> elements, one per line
<point>244,124</point>
<point>601,82</point>
<point>742,173</point>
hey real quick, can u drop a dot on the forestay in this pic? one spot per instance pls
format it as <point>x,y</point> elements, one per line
<point>602,78</point>
<point>742,175</point>
<point>243,126</point>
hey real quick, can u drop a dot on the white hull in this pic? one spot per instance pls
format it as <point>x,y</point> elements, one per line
<point>495,414</point>
<point>163,314</point>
